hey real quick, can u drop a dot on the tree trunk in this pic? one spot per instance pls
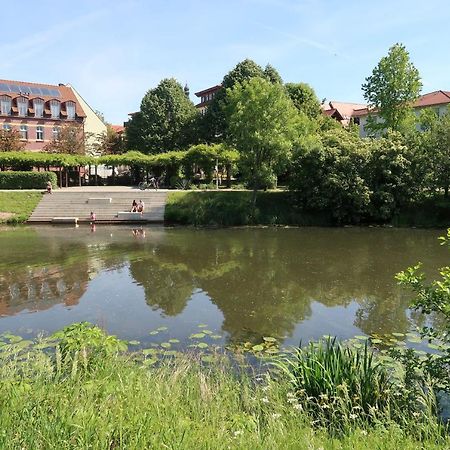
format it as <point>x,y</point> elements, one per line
<point>60,177</point>
<point>96,176</point>
<point>67,177</point>
<point>113,176</point>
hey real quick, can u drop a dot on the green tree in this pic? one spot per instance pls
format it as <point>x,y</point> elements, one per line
<point>164,121</point>
<point>10,141</point>
<point>327,175</point>
<point>263,124</point>
<point>438,154</point>
<point>109,142</point>
<point>214,122</point>
<point>304,99</point>
<point>391,90</point>
<point>271,74</point>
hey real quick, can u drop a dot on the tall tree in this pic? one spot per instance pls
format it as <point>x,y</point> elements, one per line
<point>263,125</point>
<point>163,122</point>
<point>392,89</point>
<point>10,141</point>
<point>304,99</point>
<point>214,122</point>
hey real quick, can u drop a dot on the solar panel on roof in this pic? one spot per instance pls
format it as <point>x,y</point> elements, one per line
<point>4,87</point>
<point>45,91</point>
<point>35,90</point>
<point>14,88</point>
<point>55,92</point>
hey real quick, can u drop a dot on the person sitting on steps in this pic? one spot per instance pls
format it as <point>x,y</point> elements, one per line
<point>134,206</point>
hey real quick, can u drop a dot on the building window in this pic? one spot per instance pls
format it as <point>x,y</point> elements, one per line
<point>23,131</point>
<point>55,133</point>
<point>5,105</point>
<point>55,109</point>
<point>39,133</point>
<point>38,105</point>
<point>22,104</point>
<point>7,127</point>
<point>70,108</point>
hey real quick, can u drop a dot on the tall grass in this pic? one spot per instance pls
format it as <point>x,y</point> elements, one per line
<point>123,402</point>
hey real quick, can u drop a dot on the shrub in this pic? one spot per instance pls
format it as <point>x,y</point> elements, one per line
<point>338,385</point>
<point>26,180</point>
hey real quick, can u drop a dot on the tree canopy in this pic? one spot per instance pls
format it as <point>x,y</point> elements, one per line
<point>304,99</point>
<point>164,121</point>
<point>392,89</point>
<point>263,124</point>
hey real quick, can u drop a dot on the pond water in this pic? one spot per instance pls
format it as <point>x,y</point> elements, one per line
<point>240,284</point>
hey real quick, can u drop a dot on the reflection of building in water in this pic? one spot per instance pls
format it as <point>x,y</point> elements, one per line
<point>37,289</point>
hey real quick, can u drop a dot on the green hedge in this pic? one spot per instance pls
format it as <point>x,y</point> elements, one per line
<point>26,180</point>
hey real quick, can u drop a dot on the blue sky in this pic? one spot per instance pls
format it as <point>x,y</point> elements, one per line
<point>113,51</point>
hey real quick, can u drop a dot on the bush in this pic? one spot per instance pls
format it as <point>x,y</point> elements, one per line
<point>26,180</point>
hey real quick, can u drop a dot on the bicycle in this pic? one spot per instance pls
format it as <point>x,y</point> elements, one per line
<point>153,182</point>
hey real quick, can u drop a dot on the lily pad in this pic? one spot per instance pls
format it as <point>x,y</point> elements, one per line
<point>215,336</point>
<point>269,339</point>
<point>258,348</point>
<point>149,351</point>
<point>134,342</point>
<point>166,345</point>
<point>207,358</point>
<point>154,332</point>
<point>398,334</point>
<point>197,336</point>
<point>149,361</point>
<point>202,325</point>
<point>202,345</point>
<point>162,328</point>
<point>174,341</point>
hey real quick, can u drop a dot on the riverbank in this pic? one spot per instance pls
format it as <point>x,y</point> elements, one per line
<point>88,395</point>
<point>16,207</point>
<point>233,208</point>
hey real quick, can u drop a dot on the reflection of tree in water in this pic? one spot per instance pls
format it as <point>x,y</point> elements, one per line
<point>167,286</point>
<point>264,281</point>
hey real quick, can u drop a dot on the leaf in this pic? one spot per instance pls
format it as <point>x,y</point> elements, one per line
<point>149,351</point>
<point>202,325</point>
<point>207,358</point>
<point>202,345</point>
<point>174,341</point>
<point>197,336</point>
<point>272,350</point>
<point>398,334</point>
<point>162,328</point>
<point>361,338</point>
<point>207,332</point>
<point>149,361</point>
<point>269,339</point>
<point>258,348</point>
<point>166,345</point>
<point>154,332</point>
<point>376,341</point>
<point>134,342</point>
<point>215,336</point>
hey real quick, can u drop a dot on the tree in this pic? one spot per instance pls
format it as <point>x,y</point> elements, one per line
<point>69,139</point>
<point>304,99</point>
<point>438,154</point>
<point>109,142</point>
<point>327,175</point>
<point>392,89</point>
<point>263,124</point>
<point>271,74</point>
<point>214,124</point>
<point>10,141</point>
<point>164,120</point>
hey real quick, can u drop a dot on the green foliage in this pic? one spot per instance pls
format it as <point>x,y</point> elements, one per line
<point>392,89</point>
<point>327,175</point>
<point>86,343</point>
<point>71,139</point>
<point>164,121</point>
<point>340,385</point>
<point>40,159</point>
<point>271,74</point>
<point>26,180</point>
<point>432,299</point>
<point>263,124</point>
<point>390,176</point>
<point>304,99</point>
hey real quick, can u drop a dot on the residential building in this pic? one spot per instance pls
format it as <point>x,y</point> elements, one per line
<point>206,96</point>
<point>439,101</point>
<point>343,112</point>
<point>38,111</point>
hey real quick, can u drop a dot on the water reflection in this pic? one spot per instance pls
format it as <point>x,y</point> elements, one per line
<point>288,283</point>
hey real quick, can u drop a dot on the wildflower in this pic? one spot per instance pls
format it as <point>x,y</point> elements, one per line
<point>237,433</point>
<point>353,416</point>
<point>276,416</point>
<point>364,432</point>
<point>264,388</point>
<point>298,407</point>
<point>265,400</point>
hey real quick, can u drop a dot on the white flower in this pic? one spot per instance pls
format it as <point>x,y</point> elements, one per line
<point>276,415</point>
<point>237,433</point>
<point>265,400</point>
<point>298,407</point>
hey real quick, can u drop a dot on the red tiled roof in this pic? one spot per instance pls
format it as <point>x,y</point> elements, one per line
<point>433,98</point>
<point>208,90</point>
<point>345,109</point>
<point>118,128</point>
<point>66,92</point>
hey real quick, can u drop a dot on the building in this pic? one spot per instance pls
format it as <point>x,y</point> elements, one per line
<point>206,96</point>
<point>343,112</point>
<point>37,111</point>
<point>439,101</point>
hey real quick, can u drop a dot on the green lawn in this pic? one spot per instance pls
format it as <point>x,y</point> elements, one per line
<point>17,205</point>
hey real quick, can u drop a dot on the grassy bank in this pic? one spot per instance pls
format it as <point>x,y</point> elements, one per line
<point>16,207</point>
<point>233,208</point>
<point>89,395</point>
